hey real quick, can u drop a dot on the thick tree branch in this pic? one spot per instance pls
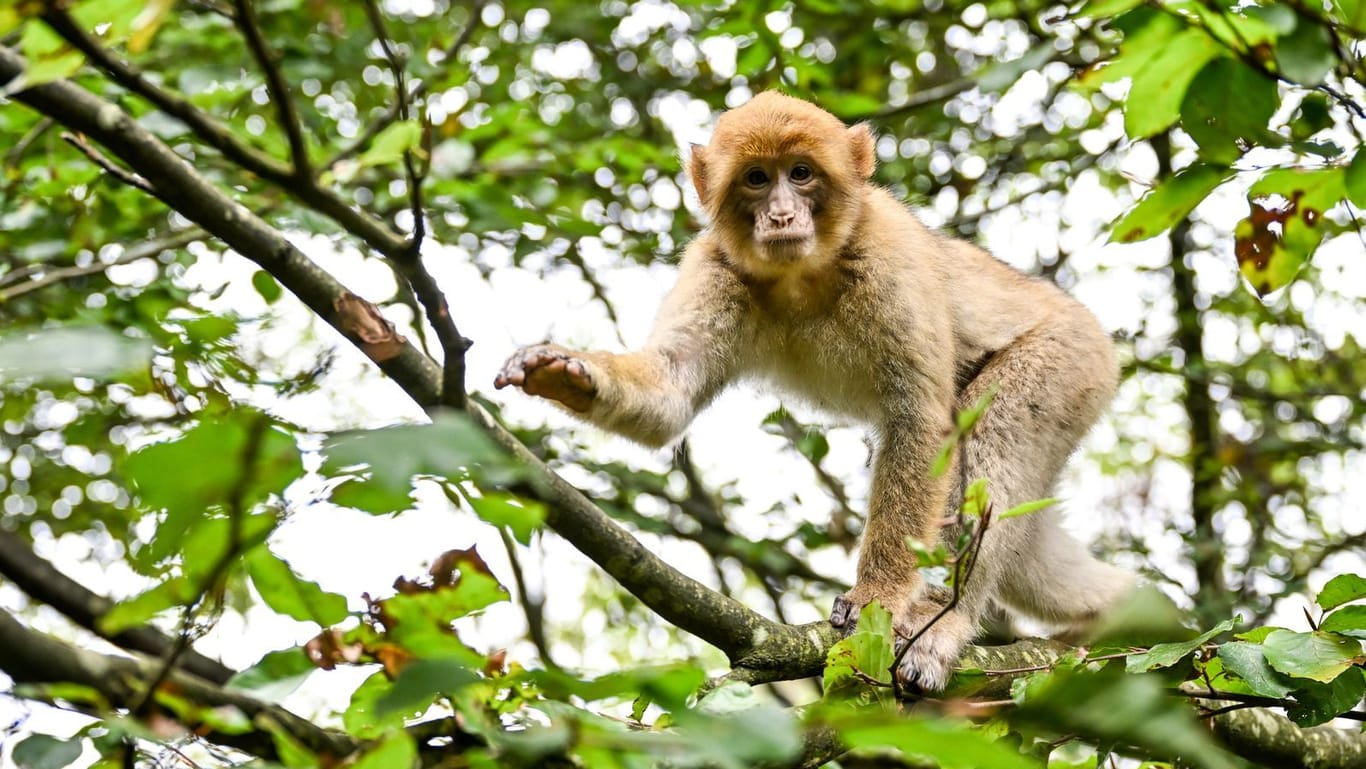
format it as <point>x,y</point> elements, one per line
<point>37,658</point>
<point>42,581</point>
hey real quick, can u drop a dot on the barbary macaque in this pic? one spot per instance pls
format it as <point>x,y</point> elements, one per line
<point>816,280</point>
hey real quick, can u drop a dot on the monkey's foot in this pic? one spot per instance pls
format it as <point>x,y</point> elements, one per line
<point>550,372</point>
<point>929,663</point>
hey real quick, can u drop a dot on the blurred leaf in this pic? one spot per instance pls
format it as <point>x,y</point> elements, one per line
<point>1111,706</point>
<point>57,354</point>
<point>363,717</point>
<point>276,674</point>
<point>137,610</point>
<point>1307,54</point>
<point>1144,618</point>
<point>942,742</point>
<point>287,593</point>
<point>522,517</point>
<point>1351,13</point>
<point>389,146</point>
<point>41,751</point>
<point>46,56</point>
<point>1317,655</point>
<point>1227,109</point>
<point>1169,202</point>
<point>1168,654</point>
<point>1095,9</point>
<point>389,458</point>
<point>421,683</point>
<point>1000,75</point>
<point>1355,179</point>
<point>266,285</point>
<point>396,751</point>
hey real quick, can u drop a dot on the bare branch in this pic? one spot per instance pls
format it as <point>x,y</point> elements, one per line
<point>48,275</point>
<point>42,581</point>
<point>33,657</point>
<point>130,179</point>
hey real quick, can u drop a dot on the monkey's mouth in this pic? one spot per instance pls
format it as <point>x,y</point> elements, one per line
<point>790,234</point>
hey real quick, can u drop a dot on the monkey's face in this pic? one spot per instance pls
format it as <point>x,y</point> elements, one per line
<point>780,198</point>
<point>783,181</point>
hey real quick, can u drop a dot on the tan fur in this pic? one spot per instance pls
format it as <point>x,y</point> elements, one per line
<point>876,318</point>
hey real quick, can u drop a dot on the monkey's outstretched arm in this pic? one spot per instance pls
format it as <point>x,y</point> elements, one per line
<point>650,395</point>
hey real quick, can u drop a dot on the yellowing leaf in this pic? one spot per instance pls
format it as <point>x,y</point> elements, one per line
<point>1286,223</point>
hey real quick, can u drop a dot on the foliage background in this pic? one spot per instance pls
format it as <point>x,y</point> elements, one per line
<point>175,383</point>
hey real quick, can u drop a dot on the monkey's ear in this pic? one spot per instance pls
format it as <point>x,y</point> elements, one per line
<point>697,171</point>
<point>862,149</point>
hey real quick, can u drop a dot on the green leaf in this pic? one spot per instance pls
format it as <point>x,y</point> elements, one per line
<point>733,727</point>
<point>41,751</point>
<point>363,718</point>
<point>1308,54</point>
<point>1350,13</point>
<point>146,605</point>
<point>389,457</point>
<point>276,674</point>
<point>1026,508</point>
<point>1111,706</point>
<point>1344,588</point>
<point>1249,663</point>
<point>521,516</point>
<point>1227,108</point>
<point>1000,75</point>
<point>266,285</point>
<point>1168,654</point>
<point>395,751</point>
<point>1348,621</point>
<point>421,683</point>
<point>287,593</point>
<point>943,742</point>
<point>392,142</point>
<point>239,457</point>
<point>1286,223</point>
<point>1355,179</point>
<point>1154,100</point>
<point>58,354</point>
<point>1318,656</point>
<point>1321,703</point>
<point>1168,203</point>
<point>46,58</point>
<point>869,651</point>
<point>1095,9</point>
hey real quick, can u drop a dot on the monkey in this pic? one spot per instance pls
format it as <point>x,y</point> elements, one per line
<point>812,278</point>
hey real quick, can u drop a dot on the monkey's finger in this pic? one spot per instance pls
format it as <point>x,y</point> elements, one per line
<point>843,614</point>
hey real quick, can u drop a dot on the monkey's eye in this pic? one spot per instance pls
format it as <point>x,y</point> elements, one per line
<point>756,178</point>
<point>801,173</point>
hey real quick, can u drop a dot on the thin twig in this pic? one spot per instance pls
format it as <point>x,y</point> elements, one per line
<point>532,608</point>
<point>127,177</point>
<point>49,275</point>
<point>275,83</point>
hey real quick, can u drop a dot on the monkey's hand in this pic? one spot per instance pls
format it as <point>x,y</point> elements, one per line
<point>928,664</point>
<point>550,371</point>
